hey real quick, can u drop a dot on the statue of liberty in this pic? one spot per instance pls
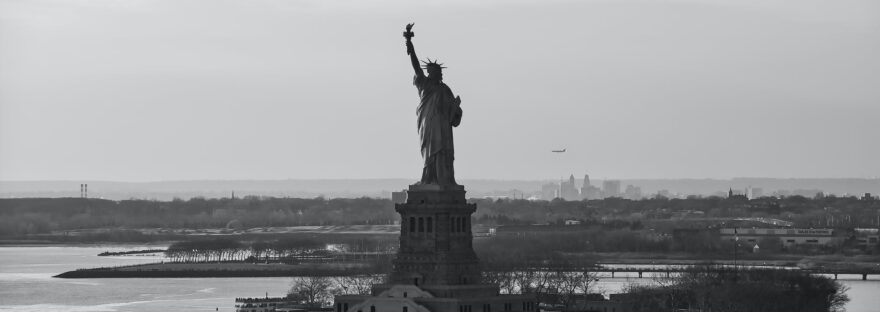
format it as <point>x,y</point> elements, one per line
<point>439,110</point>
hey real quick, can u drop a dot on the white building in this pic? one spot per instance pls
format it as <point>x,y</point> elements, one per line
<point>789,237</point>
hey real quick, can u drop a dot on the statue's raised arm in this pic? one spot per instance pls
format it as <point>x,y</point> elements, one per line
<point>408,34</point>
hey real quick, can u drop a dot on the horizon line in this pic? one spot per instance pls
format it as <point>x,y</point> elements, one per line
<point>416,179</point>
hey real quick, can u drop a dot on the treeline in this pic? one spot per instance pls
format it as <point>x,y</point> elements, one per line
<point>726,289</point>
<point>132,252</point>
<point>27,216</point>
<point>291,249</point>
<point>820,211</point>
<point>563,246</point>
<point>21,217</point>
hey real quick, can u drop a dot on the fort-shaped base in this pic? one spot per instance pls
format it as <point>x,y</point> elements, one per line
<point>436,268</point>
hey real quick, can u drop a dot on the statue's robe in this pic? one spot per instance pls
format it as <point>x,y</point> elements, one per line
<point>437,113</point>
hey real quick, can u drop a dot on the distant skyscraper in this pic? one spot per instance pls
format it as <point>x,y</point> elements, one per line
<point>568,190</point>
<point>588,191</point>
<point>611,188</point>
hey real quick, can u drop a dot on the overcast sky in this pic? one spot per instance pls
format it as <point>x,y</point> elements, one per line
<point>137,90</point>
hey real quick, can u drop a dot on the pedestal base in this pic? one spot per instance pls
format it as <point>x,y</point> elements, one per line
<point>436,268</point>
<point>435,238</point>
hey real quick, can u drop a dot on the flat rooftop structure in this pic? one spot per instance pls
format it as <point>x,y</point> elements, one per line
<point>776,231</point>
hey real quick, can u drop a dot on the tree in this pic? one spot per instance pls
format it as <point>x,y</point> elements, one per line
<point>571,285</point>
<point>314,289</point>
<point>754,290</point>
<point>355,285</point>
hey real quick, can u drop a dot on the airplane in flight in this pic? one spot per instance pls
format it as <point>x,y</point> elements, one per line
<point>559,151</point>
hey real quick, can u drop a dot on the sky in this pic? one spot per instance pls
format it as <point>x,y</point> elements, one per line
<point>150,90</point>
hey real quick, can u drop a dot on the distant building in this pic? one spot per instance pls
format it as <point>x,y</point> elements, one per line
<point>731,194</point>
<point>632,192</point>
<point>588,191</point>
<point>867,238</point>
<point>611,188</point>
<point>757,192</point>
<point>789,237</point>
<point>568,190</point>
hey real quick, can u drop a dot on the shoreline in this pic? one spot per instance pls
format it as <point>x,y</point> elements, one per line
<point>225,269</point>
<point>242,269</point>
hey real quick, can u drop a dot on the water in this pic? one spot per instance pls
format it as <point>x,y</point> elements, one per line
<point>26,284</point>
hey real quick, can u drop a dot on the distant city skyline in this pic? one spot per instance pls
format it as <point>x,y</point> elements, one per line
<point>352,188</point>
<point>169,90</point>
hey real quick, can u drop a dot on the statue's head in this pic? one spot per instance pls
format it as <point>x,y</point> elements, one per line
<point>434,69</point>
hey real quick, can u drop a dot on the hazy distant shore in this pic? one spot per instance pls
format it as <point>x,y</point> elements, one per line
<point>382,188</point>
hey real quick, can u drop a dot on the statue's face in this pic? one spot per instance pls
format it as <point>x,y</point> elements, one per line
<point>435,73</point>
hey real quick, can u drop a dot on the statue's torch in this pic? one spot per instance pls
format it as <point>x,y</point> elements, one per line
<point>408,34</point>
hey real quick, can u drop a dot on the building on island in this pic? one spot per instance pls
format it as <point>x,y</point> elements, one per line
<point>788,236</point>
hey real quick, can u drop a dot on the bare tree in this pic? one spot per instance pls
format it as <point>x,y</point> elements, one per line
<point>541,283</point>
<point>507,282</point>
<point>524,279</point>
<point>355,285</point>
<point>315,289</point>
<point>573,284</point>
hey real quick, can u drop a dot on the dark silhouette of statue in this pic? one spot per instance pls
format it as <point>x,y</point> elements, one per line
<point>439,110</point>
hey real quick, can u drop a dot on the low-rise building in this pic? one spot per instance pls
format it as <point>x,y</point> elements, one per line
<point>867,238</point>
<point>788,236</point>
<point>572,222</point>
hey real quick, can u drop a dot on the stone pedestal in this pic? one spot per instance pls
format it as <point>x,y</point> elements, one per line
<point>436,268</point>
<point>435,238</point>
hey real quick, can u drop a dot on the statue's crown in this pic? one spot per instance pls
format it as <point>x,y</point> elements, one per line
<point>431,63</point>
